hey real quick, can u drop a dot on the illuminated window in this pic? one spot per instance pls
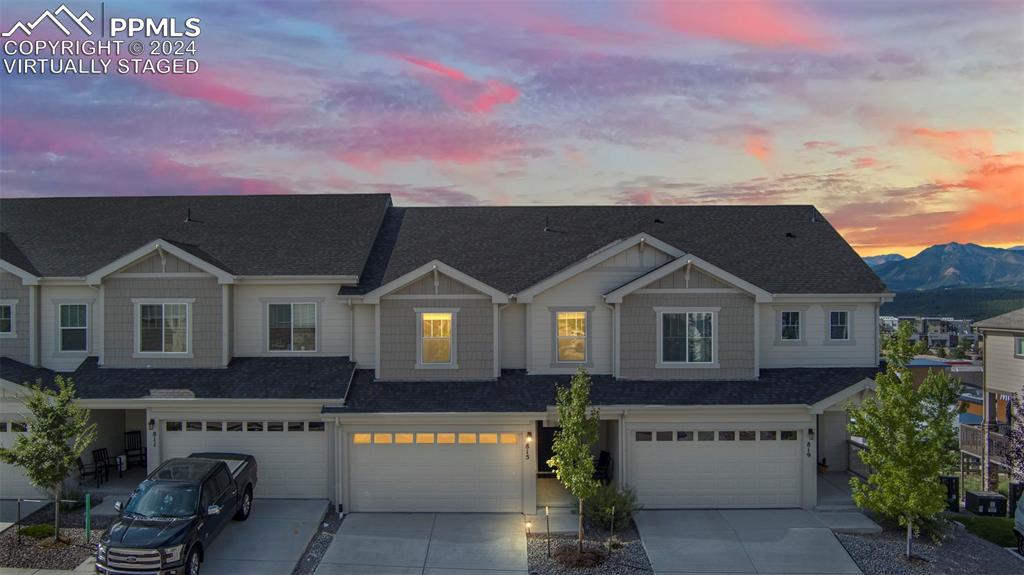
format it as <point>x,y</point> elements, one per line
<point>489,438</point>
<point>361,438</point>
<point>509,438</point>
<point>571,336</point>
<point>839,325</point>
<point>292,327</point>
<point>467,438</point>
<point>790,325</point>
<point>162,328</point>
<point>445,438</point>
<point>403,438</point>
<point>424,438</point>
<point>384,438</point>
<point>436,338</point>
<point>686,336</point>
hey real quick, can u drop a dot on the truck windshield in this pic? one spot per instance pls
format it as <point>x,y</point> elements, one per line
<point>164,500</point>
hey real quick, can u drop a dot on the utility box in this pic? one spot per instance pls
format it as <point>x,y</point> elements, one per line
<point>985,503</point>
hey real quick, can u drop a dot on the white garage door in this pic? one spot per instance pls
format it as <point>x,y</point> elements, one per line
<point>424,470</point>
<point>291,455</point>
<point>678,468</point>
<point>13,483</point>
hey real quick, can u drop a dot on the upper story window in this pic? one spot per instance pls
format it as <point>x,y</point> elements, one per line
<point>436,345</point>
<point>839,325</point>
<point>686,336</point>
<point>292,327</point>
<point>790,326</point>
<point>163,327</point>
<point>571,336</point>
<point>7,319</point>
<point>1018,346</point>
<point>74,327</point>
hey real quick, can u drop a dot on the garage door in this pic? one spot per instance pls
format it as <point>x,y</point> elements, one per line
<point>679,467</point>
<point>291,455</point>
<point>13,483</point>
<point>423,470</point>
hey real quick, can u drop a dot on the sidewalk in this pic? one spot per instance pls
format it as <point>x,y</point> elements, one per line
<point>87,566</point>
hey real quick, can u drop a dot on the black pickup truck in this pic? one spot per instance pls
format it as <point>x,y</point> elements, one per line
<point>172,517</point>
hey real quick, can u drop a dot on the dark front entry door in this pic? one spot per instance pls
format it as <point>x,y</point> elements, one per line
<point>545,436</point>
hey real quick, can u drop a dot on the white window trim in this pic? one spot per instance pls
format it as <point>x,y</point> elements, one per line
<point>88,327</point>
<point>662,364</point>
<point>454,362</point>
<point>588,336</point>
<point>1017,339</point>
<point>293,303</point>
<point>138,303</point>
<point>849,326</point>
<point>802,310</point>
<point>14,321</point>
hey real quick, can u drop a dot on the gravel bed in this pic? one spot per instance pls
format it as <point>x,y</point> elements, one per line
<point>960,553</point>
<point>630,559</point>
<point>318,544</point>
<point>44,553</point>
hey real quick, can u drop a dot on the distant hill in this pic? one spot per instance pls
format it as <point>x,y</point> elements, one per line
<point>955,265</point>
<point>960,303</point>
<point>875,261</point>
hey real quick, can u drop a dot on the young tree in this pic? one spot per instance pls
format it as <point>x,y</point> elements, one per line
<point>920,348</point>
<point>908,431</point>
<point>58,432</point>
<point>579,423</point>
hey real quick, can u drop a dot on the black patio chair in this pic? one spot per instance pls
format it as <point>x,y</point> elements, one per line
<point>603,468</point>
<point>134,447</point>
<point>86,470</point>
<point>101,459</point>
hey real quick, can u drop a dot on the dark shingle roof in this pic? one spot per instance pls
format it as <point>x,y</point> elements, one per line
<point>517,392</point>
<point>323,378</point>
<point>1010,320</point>
<point>782,249</point>
<point>245,235</point>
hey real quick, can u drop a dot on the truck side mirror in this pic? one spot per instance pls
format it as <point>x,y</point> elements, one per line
<point>213,510</point>
<point>118,506</point>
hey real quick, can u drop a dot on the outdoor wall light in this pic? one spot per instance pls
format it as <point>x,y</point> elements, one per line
<point>152,424</point>
<point>529,526</point>
<point>810,433</point>
<point>529,440</point>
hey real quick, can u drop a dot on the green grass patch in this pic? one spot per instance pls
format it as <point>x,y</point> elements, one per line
<point>40,531</point>
<point>998,530</point>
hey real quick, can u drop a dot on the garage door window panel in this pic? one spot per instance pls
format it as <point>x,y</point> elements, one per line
<point>214,426</point>
<point>436,336</point>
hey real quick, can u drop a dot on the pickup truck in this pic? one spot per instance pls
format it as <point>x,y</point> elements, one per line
<point>172,517</point>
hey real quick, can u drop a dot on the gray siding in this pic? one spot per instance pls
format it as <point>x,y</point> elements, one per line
<point>16,347</point>
<point>155,265</point>
<point>119,319</point>
<point>677,280</point>
<point>1003,370</point>
<point>639,333</point>
<point>474,339</point>
<point>445,285</point>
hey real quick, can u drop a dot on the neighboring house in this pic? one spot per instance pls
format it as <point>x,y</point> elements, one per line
<point>1003,350</point>
<point>406,359</point>
<point>968,372</point>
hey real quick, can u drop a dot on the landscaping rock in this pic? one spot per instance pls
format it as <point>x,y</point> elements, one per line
<point>318,544</point>
<point>629,559</point>
<point>45,553</point>
<point>960,553</point>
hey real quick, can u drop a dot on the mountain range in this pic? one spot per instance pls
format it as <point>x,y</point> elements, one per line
<point>952,265</point>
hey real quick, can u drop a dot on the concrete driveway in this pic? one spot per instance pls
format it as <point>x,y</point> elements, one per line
<point>270,542</point>
<point>427,544</point>
<point>742,541</point>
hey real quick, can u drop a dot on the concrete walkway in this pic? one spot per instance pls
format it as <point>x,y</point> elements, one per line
<point>87,566</point>
<point>270,542</point>
<point>791,541</point>
<point>427,544</point>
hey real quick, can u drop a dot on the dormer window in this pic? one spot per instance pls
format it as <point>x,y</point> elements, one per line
<point>163,327</point>
<point>292,327</point>
<point>436,338</point>
<point>7,319</point>
<point>790,326</point>
<point>571,336</point>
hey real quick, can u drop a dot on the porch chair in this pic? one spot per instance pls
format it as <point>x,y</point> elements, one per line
<point>134,447</point>
<point>101,459</point>
<point>603,468</point>
<point>88,470</point>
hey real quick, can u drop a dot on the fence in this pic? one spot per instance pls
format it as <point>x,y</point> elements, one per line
<point>87,501</point>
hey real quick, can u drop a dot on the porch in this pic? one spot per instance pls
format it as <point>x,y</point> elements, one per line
<point>122,433</point>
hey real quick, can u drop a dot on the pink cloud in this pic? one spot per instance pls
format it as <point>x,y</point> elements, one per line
<point>205,86</point>
<point>758,146</point>
<point>763,23</point>
<point>865,163</point>
<point>459,90</point>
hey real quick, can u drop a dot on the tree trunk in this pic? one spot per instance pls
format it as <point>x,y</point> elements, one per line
<point>581,526</point>
<point>56,512</point>
<point>910,535</point>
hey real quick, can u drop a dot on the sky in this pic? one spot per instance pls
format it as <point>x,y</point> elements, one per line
<point>903,122</point>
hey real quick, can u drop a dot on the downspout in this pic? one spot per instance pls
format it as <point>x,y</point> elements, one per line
<point>351,331</point>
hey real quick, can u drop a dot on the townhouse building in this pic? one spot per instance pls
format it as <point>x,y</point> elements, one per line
<point>406,359</point>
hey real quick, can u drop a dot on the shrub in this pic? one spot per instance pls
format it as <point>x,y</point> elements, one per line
<point>599,506</point>
<point>40,531</point>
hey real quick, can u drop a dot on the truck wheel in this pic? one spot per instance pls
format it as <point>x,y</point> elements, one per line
<point>192,563</point>
<point>246,506</point>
